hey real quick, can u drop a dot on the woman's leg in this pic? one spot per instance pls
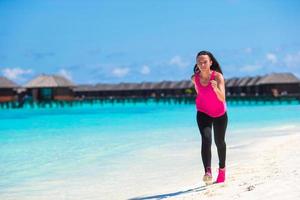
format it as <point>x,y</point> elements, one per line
<point>205,127</point>
<point>220,125</point>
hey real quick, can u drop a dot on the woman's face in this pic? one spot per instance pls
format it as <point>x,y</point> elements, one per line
<point>204,62</point>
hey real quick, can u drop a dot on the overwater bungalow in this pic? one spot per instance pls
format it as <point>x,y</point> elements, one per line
<point>105,90</point>
<point>124,90</point>
<point>242,85</point>
<point>114,90</point>
<point>8,90</point>
<point>135,90</point>
<point>231,86</point>
<point>164,88</point>
<point>245,86</point>
<point>252,88</point>
<point>276,84</point>
<point>50,87</point>
<point>184,88</point>
<point>85,91</point>
<point>146,89</point>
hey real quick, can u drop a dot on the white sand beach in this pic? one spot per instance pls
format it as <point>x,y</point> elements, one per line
<point>269,169</point>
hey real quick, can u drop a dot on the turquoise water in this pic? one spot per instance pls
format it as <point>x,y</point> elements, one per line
<point>39,145</point>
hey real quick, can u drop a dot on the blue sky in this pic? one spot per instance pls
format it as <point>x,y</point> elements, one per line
<point>112,41</point>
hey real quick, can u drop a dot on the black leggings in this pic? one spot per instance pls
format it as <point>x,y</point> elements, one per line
<point>219,124</point>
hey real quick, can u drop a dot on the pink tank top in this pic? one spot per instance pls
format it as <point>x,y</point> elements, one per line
<point>207,100</point>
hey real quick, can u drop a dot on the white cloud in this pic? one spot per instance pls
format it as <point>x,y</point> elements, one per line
<point>65,74</point>
<point>250,68</point>
<point>177,60</point>
<point>15,74</point>
<point>120,72</point>
<point>145,70</point>
<point>292,60</point>
<point>272,58</point>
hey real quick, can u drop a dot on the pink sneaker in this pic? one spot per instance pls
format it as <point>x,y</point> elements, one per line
<point>207,178</point>
<point>221,176</point>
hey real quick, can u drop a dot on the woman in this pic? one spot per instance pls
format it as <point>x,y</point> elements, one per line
<point>211,111</point>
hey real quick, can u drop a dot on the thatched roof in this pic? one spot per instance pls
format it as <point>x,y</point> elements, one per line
<point>146,86</point>
<point>82,88</point>
<point>6,83</point>
<point>143,86</point>
<point>184,84</point>
<point>170,85</point>
<point>278,78</point>
<point>243,81</point>
<point>164,85</point>
<point>253,81</point>
<point>126,86</point>
<point>105,87</point>
<point>49,81</point>
<point>232,82</point>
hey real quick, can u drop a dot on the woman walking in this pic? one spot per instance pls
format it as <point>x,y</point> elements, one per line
<point>211,111</point>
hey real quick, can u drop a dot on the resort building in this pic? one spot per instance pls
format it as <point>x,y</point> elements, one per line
<point>8,90</point>
<point>269,85</point>
<point>53,87</point>
<point>276,84</point>
<point>50,87</point>
<point>136,90</point>
<point>252,89</point>
<point>231,86</point>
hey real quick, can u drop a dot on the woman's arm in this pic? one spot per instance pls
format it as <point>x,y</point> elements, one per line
<point>193,80</point>
<point>219,86</point>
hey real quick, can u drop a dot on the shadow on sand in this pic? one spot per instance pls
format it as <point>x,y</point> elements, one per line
<point>162,196</point>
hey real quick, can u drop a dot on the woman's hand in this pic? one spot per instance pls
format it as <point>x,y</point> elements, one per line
<point>214,84</point>
<point>218,86</point>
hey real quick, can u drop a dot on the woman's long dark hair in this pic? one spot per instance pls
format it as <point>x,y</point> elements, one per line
<point>215,65</point>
